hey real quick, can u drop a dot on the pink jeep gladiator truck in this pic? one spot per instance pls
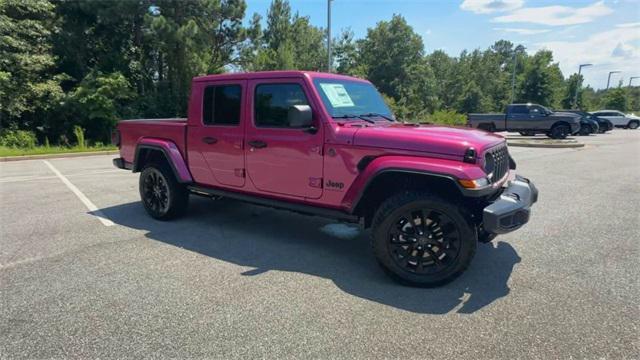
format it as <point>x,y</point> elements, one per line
<point>326,144</point>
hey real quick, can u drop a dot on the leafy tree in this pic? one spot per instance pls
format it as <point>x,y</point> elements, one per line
<point>288,42</point>
<point>28,85</point>
<point>345,54</point>
<point>98,101</point>
<point>193,38</point>
<point>541,80</point>
<point>568,98</point>
<point>392,57</point>
<point>614,99</point>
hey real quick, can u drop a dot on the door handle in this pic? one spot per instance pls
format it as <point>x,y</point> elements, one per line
<point>209,140</point>
<point>258,144</point>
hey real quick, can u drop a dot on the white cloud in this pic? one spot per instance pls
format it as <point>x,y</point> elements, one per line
<point>556,15</point>
<point>625,51</point>
<point>617,49</point>
<point>490,6</point>
<point>628,25</point>
<point>523,31</point>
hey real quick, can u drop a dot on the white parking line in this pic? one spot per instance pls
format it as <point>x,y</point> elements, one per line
<point>12,179</point>
<point>91,206</point>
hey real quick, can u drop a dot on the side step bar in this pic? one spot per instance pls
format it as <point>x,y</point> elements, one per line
<point>277,204</point>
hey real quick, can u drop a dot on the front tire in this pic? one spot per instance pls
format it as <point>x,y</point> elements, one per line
<point>559,132</point>
<point>633,125</point>
<point>586,130</point>
<point>163,197</point>
<point>422,240</point>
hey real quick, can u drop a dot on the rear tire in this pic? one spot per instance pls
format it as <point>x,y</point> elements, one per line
<point>559,132</point>
<point>163,197</point>
<point>420,239</point>
<point>633,124</point>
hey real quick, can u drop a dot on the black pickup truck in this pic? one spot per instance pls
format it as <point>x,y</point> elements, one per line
<point>528,119</point>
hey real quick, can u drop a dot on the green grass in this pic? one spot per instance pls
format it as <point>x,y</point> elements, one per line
<point>42,150</point>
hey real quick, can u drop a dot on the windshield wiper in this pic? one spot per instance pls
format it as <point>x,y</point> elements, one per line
<point>345,116</point>
<point>378,115</point>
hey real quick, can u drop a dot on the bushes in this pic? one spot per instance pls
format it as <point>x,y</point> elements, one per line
<point>79,133</point>
<point>17,139</point>
<point>447,117</point>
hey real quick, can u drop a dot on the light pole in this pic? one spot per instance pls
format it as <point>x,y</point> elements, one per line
<point>631,79</point>
<point>609,78</point>
<point>578,83</point>
<point>513,76</point>
<point>329,35</point>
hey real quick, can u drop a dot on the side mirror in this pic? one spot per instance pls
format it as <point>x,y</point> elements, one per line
<point>300,116</point>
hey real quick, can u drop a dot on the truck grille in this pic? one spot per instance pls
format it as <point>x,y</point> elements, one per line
<point>496,163</point>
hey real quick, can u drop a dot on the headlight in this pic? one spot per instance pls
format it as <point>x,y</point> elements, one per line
<point>489,164</point>
<point>475,184</point>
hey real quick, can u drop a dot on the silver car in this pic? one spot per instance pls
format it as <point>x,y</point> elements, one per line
<point>618,118</point>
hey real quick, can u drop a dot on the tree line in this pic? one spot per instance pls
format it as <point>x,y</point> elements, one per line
<point>66,64</point>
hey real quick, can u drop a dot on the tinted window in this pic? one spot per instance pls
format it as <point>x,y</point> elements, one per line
<point>221,105</point>
<point>272,103</point>
<point>519,109</point>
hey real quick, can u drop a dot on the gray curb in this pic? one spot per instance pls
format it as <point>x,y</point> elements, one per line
<point>55,156</point>
<point>544,145</point>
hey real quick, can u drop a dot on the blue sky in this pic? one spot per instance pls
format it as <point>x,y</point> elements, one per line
<point>605,33</point>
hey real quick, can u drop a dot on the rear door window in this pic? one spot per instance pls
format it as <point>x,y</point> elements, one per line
<point>221,105</point>
<point>519,109</point>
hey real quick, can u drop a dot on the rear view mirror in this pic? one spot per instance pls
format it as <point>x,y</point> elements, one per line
<point>300,116</point>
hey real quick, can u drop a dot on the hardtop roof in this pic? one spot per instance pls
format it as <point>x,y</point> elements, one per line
<point>275,74</point>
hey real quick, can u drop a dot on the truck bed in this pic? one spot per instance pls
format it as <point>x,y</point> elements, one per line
<point>482,121</point>
<point>131,131</point>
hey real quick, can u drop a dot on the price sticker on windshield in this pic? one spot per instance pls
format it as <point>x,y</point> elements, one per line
<point>337,95</point>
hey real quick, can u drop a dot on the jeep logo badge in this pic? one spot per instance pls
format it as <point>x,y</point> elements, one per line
<point>334,185</point>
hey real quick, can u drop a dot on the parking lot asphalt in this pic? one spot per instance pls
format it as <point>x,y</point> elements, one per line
<point>232,280</point>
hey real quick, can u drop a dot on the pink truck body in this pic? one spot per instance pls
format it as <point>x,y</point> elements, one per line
<point>326,144</point>
<point>297,165</point>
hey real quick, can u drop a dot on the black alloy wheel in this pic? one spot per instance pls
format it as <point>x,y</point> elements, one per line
<point>559,132</point>
<point>162,195</point>
<point>155,191</point>
<point>585,130</point>
<point>424,241</point>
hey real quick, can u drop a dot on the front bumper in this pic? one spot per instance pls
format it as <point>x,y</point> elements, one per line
<point>575,128</point>
<point>120,163</point>
<point>512,208</point>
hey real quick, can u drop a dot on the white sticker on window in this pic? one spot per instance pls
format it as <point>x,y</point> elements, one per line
<point>337,94</point>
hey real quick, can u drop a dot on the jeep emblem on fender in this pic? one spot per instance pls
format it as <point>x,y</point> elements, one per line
<point>334,185</point>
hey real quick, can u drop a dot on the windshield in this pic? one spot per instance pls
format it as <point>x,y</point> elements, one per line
<point>345,98</point>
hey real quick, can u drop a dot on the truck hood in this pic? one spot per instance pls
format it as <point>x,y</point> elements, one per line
<point>566,115</point>
<point>435,139</point>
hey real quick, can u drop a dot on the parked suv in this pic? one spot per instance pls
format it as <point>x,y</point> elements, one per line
<point>327,145</point>
<point>528,119</point>
<point>588,123</point>
<point>604,125</point>
<point>618,118</point>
